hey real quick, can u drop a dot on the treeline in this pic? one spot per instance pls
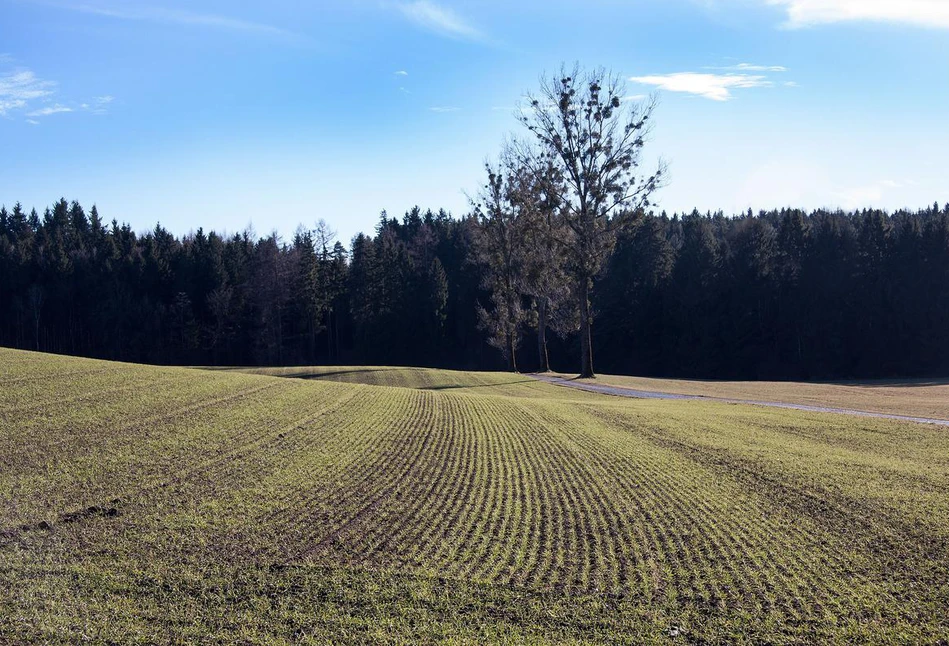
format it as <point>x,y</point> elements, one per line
<point>779,294</point>
<point>72,285</point>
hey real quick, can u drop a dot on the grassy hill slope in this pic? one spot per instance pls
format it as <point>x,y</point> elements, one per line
<point>167,504</point>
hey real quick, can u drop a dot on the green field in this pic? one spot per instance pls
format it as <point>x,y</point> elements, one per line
<point>144,504</point>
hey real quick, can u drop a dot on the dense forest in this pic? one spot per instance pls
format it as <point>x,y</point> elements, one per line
<point>778,294</point>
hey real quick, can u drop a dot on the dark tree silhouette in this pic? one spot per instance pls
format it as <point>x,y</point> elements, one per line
<point>499,250</point>
<point>544,240</point>
<point>594,137</point>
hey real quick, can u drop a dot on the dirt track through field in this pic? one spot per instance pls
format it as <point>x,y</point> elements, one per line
<point>620,391</point>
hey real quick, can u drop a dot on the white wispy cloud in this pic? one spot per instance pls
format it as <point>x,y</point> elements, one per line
<point>99,104</point>
<point>18,88</point>
<point>439,19</point>
<point>924,13</point>
<point>22,92</point>
<point>48,110</point>
<point>444,108</point>
<point>717,87</point>
<point>6,105</point>
<point>749,67</point>
<point>401,73</point>
<point>171,16</point>
<point>33,122</point>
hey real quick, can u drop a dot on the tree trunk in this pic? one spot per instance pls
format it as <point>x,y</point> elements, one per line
<point>511,356</point>
<point>336,337</point>
<point>329,336</point>
<point>586,323</point>
<point>543,359</point>
<point>36,301</point>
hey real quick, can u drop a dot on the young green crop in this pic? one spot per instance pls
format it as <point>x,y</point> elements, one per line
<point>142,504</point>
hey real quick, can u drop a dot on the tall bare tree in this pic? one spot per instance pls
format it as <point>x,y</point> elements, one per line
<point>543,240</point>
<point>594,136</point>
<point>499,250</point>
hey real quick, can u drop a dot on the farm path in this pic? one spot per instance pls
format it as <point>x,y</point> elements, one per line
<point>620,391</point>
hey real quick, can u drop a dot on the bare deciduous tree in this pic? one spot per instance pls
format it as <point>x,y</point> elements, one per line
<point>594,136</point>
<point>543,240</point>
<point>499,250</point>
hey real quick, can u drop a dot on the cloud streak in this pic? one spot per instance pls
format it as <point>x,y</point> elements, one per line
<point>748,67</point>
<point>98,105</point>
<point>440,20</point>
<point>52,109</point>
<point>921,13</point>
<point>717,87</point>
<point>169,16</point>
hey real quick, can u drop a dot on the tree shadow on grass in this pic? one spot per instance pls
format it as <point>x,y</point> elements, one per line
<point>334,373</point>
<point>455,386</point>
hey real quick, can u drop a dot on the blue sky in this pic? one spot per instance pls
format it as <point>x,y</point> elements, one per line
<point>224,114</point>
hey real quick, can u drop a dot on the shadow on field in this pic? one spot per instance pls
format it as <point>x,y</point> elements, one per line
<point>335,373</point>
<point>107,511</point>
<point>503,383</point>
<point>891,383</point>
